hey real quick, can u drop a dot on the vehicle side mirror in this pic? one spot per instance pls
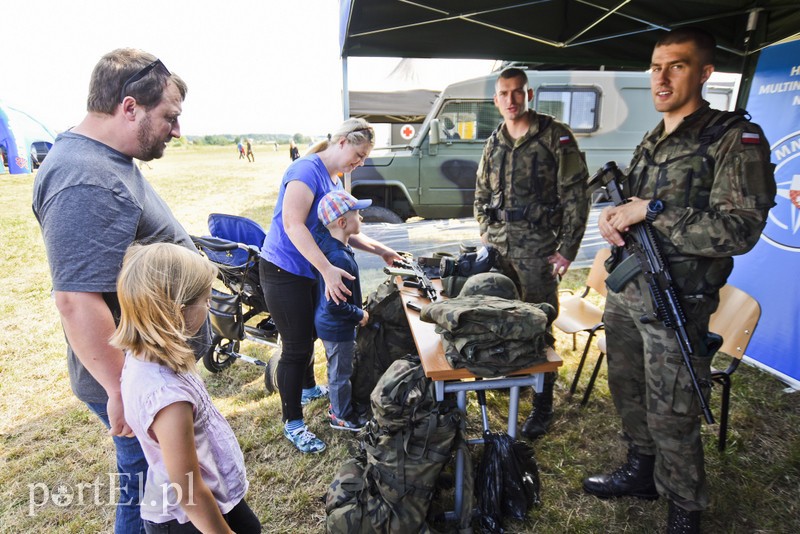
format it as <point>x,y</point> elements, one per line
<point>435,132</point>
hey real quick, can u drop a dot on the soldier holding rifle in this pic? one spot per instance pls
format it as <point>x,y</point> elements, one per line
<point>703,180</point>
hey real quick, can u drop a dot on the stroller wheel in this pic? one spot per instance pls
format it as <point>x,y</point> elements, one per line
<point>271,372</point>
<point>221,354</point>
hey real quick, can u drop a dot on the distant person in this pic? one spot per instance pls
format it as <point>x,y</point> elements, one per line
<point>240,148</point>
<point>276,146</point>
<point>250,156</point>
<point>291,259</point>
<point>450,128</point>
<point>164,292</point>
<point>294,152</point>
<point>336,322</point>
<point>92,202</point>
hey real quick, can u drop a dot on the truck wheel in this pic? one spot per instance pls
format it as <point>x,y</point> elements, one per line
<point>378,214</point>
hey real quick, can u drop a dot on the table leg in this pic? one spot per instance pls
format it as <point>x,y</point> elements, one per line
<point>461,398</point>
<point>513,410</point>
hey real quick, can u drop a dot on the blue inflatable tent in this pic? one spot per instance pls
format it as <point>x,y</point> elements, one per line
<point>24,141</point>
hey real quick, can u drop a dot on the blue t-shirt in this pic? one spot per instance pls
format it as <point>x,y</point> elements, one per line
<point>278,248</point>
<point>337,322</point>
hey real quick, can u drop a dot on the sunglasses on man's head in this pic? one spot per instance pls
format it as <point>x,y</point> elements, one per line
<point>141,74</point>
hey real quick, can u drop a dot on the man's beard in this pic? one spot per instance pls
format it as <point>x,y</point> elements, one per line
<point>150,148</point>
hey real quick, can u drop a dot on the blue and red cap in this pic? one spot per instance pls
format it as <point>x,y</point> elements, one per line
<point>337,203</point>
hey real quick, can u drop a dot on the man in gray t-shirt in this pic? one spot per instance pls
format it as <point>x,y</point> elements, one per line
<point>92,202</point>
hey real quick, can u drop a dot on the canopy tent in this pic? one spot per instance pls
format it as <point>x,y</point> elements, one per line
<point>618,34</point>
<point>392,107</point>
<point>610,33</point>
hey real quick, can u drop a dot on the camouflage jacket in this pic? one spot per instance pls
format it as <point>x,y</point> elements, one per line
<point>715,204</point>
<point>538,183</point>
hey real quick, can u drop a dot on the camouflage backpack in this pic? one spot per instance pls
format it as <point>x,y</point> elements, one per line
<point>383,340</point>
<point>388,487</point>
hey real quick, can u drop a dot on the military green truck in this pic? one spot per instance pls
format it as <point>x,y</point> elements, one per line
<point>434,175</point>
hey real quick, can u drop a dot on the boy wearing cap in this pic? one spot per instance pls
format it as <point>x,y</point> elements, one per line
<point>335,323</point>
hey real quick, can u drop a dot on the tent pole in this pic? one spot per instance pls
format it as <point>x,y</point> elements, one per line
<point>345,108</point>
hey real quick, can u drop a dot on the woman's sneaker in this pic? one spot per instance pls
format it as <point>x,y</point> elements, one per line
<point>318,392</point>
<point>343,424</point>
<point>305,440</point>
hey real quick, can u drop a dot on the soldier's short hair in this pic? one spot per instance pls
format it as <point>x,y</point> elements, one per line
<point>703,41</point>
<point>513,72</point>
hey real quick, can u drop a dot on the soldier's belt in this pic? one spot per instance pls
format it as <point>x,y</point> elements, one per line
<point>510,215</point>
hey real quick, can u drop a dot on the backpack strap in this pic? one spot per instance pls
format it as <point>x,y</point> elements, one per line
<point>718,126</point>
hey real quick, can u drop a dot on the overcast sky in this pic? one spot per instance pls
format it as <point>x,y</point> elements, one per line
<point>252,66</point>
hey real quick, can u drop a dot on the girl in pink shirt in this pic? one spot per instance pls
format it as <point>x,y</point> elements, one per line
<point>196,479</point>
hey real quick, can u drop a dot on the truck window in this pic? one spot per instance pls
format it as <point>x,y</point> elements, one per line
<point>470,121</point>
<point>575,106</point>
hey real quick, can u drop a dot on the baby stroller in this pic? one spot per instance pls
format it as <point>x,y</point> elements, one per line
<point>240,312</point>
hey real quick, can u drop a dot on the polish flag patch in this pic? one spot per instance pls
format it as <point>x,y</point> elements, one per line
<point>564,140</point>
<point>751,138</point>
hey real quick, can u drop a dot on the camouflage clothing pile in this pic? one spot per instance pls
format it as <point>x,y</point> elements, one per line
<point>388,487</point>
<point>491,336</point>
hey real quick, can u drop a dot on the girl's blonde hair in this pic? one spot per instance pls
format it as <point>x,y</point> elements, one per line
<point>356,131</point>
<point>156,282</point>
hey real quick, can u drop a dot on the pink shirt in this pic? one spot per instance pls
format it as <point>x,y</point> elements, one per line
<point>147,388</point>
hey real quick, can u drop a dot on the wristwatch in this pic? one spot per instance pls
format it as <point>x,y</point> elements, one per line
<point>654,207</point>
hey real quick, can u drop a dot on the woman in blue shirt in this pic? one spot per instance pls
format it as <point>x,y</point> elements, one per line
<point>289,257</point>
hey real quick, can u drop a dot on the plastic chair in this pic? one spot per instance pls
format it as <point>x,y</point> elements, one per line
<point>735,320</point>
<point>577,314</point>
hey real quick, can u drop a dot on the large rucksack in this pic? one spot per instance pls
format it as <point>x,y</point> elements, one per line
<point>388,487</point>
<point>386,338</point>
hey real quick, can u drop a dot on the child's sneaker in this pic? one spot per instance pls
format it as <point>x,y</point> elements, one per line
<point>319,392</point>
<point>305,440</point>
<point>343,424</point>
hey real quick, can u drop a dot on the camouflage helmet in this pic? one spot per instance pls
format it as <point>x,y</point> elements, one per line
<point>490,284</point>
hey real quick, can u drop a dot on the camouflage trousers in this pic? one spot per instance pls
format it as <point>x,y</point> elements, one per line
<point>533,278</point>
<point>535,282</point>
<point>653,393</point>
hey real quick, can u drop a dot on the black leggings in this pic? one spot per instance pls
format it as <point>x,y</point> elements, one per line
<point>241,519</point>
<point>290,301</point>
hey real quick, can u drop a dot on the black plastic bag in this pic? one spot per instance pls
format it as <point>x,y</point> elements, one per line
<point>509,481</point>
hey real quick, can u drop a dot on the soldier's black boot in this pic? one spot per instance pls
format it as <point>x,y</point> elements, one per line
<point>680,521</point>
<point>537,423</point>
<point>634,478</point>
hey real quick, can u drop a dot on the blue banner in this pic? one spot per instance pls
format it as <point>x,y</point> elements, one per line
<point>771,271</point>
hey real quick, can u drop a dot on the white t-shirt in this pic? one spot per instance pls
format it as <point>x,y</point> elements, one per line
<point>147,388</point>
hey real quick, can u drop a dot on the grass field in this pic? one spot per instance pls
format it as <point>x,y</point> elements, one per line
<point>50,444</point>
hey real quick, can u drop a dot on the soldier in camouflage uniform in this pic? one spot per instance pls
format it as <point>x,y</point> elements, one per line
<point>706,202</point>
<point>531,204</point>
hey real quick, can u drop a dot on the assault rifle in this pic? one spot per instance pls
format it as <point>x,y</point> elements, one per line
<point>642,243</point>
<point>411,269</point>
